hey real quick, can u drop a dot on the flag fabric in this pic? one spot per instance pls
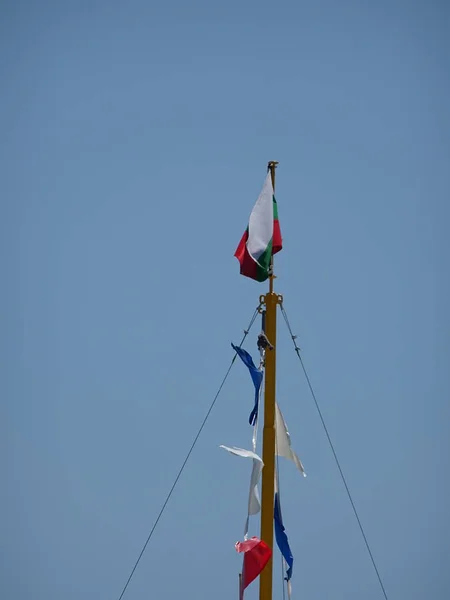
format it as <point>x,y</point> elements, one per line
<point>262,238</point>
<point>257,377</point>
<point>283,441</point>
<point>254,504</point>
<point>256,556</point>
<point>281,537</point>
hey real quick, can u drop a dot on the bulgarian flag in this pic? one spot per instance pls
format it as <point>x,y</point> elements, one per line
<point>263,236</point>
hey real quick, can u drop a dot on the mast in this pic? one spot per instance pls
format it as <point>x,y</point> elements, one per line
<point>270,300</point>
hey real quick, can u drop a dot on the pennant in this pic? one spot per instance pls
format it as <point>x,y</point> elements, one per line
<point>256,556</point>
<point>254,504</point>
<point>281,537</point>
<point>283,441</point>
<point>257,377</point>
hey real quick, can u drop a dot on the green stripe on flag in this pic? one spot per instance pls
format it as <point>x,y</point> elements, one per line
<point>263,263</point>
<point>275,209</point>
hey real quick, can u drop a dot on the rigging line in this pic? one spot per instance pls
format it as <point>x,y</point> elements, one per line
<point>297,350</point>
<point>246,332</point>
<point>279,498</point>
<point>282,578</point>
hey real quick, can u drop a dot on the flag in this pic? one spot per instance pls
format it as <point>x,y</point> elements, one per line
<point>257,377</point>
<point>262,238</point>
<point>283,441</point>
<point>281,537</point>
<point>256,556</point>
<point>254,504</point>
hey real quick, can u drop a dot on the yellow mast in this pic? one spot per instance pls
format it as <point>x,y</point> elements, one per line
<point>270,301</point>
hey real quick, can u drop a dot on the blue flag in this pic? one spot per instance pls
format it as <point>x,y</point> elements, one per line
<point>281,537</point>
<point>256,375</point>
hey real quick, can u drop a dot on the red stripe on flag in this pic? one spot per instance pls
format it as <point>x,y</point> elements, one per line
<point>248,265</point>
<point>277,240</point>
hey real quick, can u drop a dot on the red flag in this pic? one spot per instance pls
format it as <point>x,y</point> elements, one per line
<point>256,556</point>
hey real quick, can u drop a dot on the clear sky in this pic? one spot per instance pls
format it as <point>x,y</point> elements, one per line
<point>134,141</point>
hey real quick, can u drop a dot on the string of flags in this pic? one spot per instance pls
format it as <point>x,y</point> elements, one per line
<point>256,552</point>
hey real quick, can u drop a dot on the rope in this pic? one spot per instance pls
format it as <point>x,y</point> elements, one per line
<point>246,332</point>
<point>297,350</point>
<point>279,498</point>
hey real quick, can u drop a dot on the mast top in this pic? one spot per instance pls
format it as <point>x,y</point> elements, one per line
<point>271,166</point>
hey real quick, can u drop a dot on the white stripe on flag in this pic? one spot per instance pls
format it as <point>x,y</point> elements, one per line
<point>260,225</point>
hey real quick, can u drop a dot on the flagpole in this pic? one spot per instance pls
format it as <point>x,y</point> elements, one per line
<point>268,473</point>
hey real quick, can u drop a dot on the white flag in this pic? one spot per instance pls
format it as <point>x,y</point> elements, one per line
<point>283,441</point>
<point>254,504</point>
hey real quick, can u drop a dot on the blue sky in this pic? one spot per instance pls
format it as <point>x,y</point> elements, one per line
<point>134,141</point>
